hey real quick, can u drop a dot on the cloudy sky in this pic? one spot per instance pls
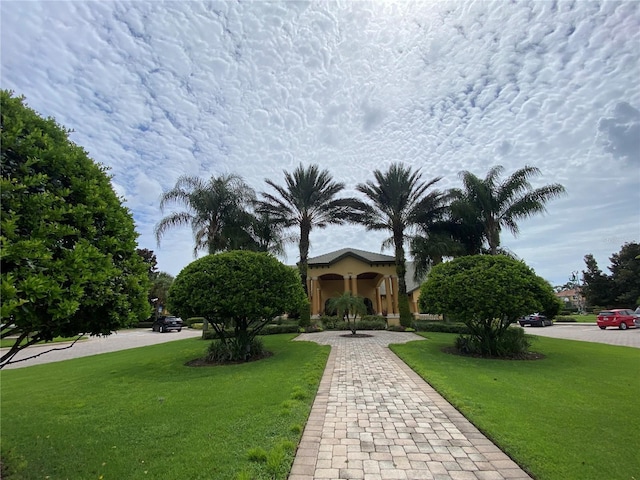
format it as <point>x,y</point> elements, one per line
<point>157,90</point>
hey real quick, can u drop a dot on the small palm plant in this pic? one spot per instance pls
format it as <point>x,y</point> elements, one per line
<point>349,306</point>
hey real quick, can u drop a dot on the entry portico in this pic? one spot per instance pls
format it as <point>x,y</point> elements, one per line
<point>367,274</point>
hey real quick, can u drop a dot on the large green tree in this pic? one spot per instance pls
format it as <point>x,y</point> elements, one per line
<point>218,212</point>
<point>625,273</point>
<point>241,290</point>
<point>307,200</point>
<point>68,245</point>
<point>622,287</point>
<point>598,288</point>
<point>488,293</point>
<point>483,207</point>
<point>397,198</point>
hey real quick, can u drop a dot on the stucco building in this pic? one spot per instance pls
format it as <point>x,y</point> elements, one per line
<point>367,274</point>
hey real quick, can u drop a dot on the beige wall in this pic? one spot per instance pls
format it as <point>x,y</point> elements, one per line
<point>325,282</point>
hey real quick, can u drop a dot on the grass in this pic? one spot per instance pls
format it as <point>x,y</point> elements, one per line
<point>588,318</point>
<point>142,413</point>
<point>572,415</point>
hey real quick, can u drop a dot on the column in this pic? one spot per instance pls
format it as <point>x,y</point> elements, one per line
<point>313,296</point>
<point>346,283</point>
<point>354,285</point>
<point>378,301</point>
<point>318,299</point>
<point>387,289</point>
<point>394,282</point>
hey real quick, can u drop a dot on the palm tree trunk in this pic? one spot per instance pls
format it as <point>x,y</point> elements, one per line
<point>493,235</point>
<point>401,270</point>
<point>305,230</point>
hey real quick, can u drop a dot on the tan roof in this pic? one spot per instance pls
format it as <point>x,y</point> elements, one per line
<point>367,257</point>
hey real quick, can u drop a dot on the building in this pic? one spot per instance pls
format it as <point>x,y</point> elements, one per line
<point>572,297</point>
<point>367,274</point>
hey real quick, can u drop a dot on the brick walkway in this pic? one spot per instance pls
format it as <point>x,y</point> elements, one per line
<point>375,419</point>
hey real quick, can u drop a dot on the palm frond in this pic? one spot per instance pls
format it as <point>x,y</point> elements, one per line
<point>177,219</point>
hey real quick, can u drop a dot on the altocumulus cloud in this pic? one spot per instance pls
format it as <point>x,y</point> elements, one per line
<point>157,90</point>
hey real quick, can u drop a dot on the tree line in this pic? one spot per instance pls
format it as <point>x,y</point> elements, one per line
<point>224,213</point>
<point>621,288</point>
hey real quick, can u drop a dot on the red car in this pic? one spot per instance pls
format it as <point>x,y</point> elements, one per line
<point>618,317</point>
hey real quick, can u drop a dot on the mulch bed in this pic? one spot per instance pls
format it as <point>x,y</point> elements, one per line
<point>357,335</point>
<point>203,362</point>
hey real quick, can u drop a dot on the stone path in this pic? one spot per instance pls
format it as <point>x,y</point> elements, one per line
<point>375,419</point>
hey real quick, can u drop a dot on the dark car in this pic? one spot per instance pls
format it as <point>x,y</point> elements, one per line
<point>166,324</point>
<point>622,318</point>
<point>535,320</point>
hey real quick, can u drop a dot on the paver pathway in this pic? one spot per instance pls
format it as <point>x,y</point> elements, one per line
<point>375,419</point>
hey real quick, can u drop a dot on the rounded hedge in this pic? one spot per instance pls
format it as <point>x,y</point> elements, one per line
<point>250,286</point>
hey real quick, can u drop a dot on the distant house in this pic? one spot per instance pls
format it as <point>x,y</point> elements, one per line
<point>367,274</point>
<point>573,297</point>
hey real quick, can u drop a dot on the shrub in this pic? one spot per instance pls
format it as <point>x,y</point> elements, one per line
<point>190,321</point>
<point>144,325</point>
<point>233,350</point>
<point>270,329</point>
<point>371,324</point>
<point>379,318</point>
<point>440,326</point>
<point>564,319</point>
<point>488,293</point>
<point>368,322</point>
<point>329,322</point>
<point>251,288</point>
<point>513,344</point>
<point>395,328</point>
<point>305,314</point>
<point>275,329</point>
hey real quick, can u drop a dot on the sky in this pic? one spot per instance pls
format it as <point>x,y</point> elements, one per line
<point>157,90</point>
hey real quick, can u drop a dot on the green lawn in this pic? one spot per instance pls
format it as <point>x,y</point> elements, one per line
<point>589,318</point>
<point>572,415</point>
<point>142,413</point>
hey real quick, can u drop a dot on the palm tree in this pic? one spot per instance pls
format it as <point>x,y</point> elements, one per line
<point>398,197</point>
<point>349,306</point>
<point>268,235</point>
<point>216,210</point>
<point>487,206</point>
<point>307,200</point>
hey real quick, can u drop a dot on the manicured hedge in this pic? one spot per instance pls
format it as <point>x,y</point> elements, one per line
<point>440,326</point>
<point>368,322</point>
<point>271,329</point>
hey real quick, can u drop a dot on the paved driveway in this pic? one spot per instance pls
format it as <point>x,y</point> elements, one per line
<point>589,332</point>
<point>122,340</point>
